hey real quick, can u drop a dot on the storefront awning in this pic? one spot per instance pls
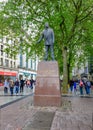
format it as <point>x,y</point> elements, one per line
<point>8,73</point>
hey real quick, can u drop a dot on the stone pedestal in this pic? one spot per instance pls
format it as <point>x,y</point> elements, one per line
<point>47,90</point>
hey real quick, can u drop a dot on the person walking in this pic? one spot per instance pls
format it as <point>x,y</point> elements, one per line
<point>6,86</point>
<point>11,85</point>
<point>31,83</point>
<point>16,86</point>
<point>88,86</point>
<point>71,85</point>
<point>75,87</point>
<point>81,85</point>
<point>21,85</point>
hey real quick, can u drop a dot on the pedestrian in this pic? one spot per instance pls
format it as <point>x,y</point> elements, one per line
<point>11,85</point>
<point>31,83</point>
<point>34,85</point>
<point>81,85</point>
<point>16,86</point>
<point>6,86</point>
<point>21,85</point>
<point>88,85</point>
<point>71,85</point>
<point>75,87</point>
<point>85,85</point>
<point>28,83</point>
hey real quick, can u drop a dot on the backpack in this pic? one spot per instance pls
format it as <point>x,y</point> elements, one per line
<point>88,83</point>
<point>81,84</point>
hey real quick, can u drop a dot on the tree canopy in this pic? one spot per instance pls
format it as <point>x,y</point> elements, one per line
<point>22,21</point>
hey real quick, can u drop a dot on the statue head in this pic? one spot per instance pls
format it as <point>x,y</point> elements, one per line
<point>46,25</point>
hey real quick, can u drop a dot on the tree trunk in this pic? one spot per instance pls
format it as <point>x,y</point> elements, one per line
<point>68,70</point>
<point>65,72</point>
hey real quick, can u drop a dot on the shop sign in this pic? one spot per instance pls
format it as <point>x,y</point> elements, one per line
<point>8,73</point>
<point>26,74</point>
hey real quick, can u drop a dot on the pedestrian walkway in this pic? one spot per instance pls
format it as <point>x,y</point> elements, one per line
<point>74,114</point>
<point>25,92</point>
<point>77,93</point>
<point>7,98</point>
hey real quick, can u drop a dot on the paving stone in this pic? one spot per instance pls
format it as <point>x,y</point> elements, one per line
<point>77,118</point>
<point>21,114</point>
<point>41,121</point>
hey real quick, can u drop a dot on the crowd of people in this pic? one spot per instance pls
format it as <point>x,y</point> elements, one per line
<point>17,86</point>
<point>84,85</point>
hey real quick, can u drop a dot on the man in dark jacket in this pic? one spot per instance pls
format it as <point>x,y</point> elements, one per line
<point>21,85</point>
<point>16,86</point>
<point>31,83</point>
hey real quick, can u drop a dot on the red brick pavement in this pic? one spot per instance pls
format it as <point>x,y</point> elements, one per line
<point>75,114</point>
<point>14,116</point>
<point>78,117</point>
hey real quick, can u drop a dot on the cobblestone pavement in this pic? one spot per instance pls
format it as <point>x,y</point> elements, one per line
<point>75,114</point>
<point>14,116</point>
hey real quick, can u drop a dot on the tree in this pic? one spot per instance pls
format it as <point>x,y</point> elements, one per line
<point>70,20</point>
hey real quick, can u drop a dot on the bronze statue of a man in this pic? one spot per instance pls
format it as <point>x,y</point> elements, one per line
<point>48,36</point>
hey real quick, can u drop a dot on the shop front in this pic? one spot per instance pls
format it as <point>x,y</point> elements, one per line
<point>7,75</point>
<point>26,75</point>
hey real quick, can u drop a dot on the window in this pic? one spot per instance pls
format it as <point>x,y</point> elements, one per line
<point>1,47</point>
<point>14,57</point>
<point>11,64</point>
<point>21,60</point>
<point>35,65</point>
<point>1,50</point>
<point>26,63</point>
<point>14,64</point>
<point>6,63</point>
<point>7,55</point>
<point>31,64</point>
<point>11,55</point>
<point>1,61</point>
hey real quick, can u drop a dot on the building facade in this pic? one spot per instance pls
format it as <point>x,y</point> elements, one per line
<point>8,65</point>
<point>27,68</point>
<point>16,67</point>
<point>82,71</point>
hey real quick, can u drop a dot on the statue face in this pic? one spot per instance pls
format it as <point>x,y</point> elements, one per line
<point>46,25</point>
